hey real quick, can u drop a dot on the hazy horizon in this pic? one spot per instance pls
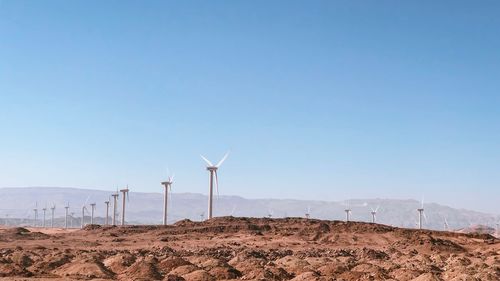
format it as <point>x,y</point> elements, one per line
<point>320,100</point>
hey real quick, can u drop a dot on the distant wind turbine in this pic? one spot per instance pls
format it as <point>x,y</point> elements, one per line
<point>66,217</point>
<point>374,214</point>
<point>347,212</point>
<point>125,194</point>
<point>421,214</point>
<point>106,222</point>
<point>213,172</point>
<point>167,185</point>
<point>115,202</point>
<point>36,213</point>
<point>52,209</point>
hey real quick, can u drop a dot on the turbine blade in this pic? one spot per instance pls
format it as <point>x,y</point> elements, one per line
<point>222,160</point>
<point>88,197</point>
<point>206,160</point>
<point>217,184</point>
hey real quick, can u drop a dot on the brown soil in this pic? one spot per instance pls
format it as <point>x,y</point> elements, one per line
<point>248,249</point>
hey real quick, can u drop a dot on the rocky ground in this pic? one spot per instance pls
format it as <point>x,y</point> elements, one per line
<point>248,249</point>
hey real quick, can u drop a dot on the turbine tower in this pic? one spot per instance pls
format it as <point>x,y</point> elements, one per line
<point>420,214</point>
<point>83,211</point>
<point>52,209</point>
<point>44,211</point>
<point>125,194</point>
<point>107,212</point>
<point>72,217</point>
<point>167,185</point>
<point>36,213</point>
<point>308,212</point>
<point>374,214</point>
<point>115,201</point>
<point>212,169</point>
<point>92,208</point>
<point>347,212</point>
<point>83,215</point>
<point>446,225</point>
<point>66,217</point>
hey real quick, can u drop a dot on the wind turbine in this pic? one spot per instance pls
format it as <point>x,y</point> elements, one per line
<point>446,226</point>
<point>107,212</point>
<point>83,211</point>
<point>347,212</point>
<point>44,209</point>
<point>36,213</point>
<point>125,194</point>
<point>167,185</point>
<point>66,217</point>
<point>308,212</point>
<point>420,214</point>
<point>374,214</point>
<point>72,218</point>
<point>92,209</point>
<point>233,210</point>
<point>270,213</point>
<point>115,201</point>
<point>52,209</point>
<point>212,169</point>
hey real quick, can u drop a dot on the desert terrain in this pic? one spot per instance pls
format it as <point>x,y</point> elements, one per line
<point>229,248</point>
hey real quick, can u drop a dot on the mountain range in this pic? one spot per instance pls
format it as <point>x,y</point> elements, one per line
<point>146,208</point>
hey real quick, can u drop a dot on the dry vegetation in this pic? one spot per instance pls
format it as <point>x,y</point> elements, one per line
<point>248,249</point>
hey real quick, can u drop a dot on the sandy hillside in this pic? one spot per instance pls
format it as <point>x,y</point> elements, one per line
<point>248,249</point>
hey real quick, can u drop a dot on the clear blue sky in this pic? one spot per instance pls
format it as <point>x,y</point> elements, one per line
<point>315,99</point>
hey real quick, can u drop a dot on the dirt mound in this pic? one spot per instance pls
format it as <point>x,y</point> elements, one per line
<point>92,227</point>
<point>21,233</point>
<point>83,269</point>
<point>143,269</point>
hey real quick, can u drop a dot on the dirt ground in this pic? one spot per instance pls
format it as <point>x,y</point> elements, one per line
<point>247,249</point>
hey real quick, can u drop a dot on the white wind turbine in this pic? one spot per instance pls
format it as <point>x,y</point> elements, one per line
<point>421,214</point>
<point>374,214</point>
<point>36,213</point>
<point>270,213</point>
<point>347,212</point>
<point>233,210</point>
<point>446,225</point>
<point>92,209</point>
<point>212,169</point>
<point>115,202</point>
<point>66,217</point>
<point>308,212</point>
<point>83,211</point>
<point>167,185</point>
<point>52,209</point>
<point>72,218</point>
<point>44,209</point>
<point>125,194</point>
<point>83,214</point>
<point>107,212</point>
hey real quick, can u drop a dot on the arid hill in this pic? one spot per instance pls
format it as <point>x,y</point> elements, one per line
<point>230,248</point>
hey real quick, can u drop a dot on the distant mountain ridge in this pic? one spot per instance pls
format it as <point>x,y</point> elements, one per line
<point>146,208</point>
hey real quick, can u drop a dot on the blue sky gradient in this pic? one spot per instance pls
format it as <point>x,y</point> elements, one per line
<point>323,100</point>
